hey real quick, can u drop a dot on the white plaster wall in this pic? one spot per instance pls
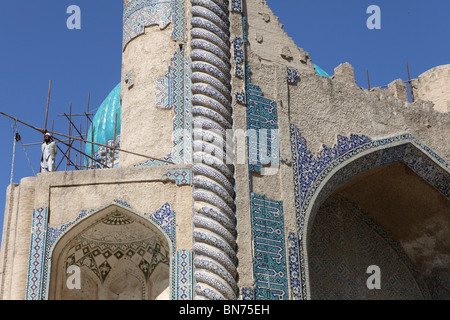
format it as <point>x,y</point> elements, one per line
<point>8,240</point>
<point>66,194</point>
<point>23,238</point>
<point>146,129</point>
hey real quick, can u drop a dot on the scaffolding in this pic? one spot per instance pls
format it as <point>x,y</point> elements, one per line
<point>106,157</point>
<point>409,83</point>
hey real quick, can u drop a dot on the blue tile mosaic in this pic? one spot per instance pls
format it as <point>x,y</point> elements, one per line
<point>45,238</point>
<point>163,92</point>
<point>139,14</point>
<point>262,127</point>
<point>239,57</point>
<point>179,20</point>
<point>38,249</point>
<point>269,262</point>
<point>236,6</point>
<point>352,156</point>
<point>294,267</point>
<point>292,75</point>
<point>179,176</point>
<point>184,274</point>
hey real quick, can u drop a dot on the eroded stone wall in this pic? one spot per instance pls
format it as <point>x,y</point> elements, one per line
<point>270,72</point>
<point>434,85</point>
<point>148,50</point>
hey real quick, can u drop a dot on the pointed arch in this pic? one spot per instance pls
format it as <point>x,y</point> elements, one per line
<point>162,222</point>
<point>317,177</point>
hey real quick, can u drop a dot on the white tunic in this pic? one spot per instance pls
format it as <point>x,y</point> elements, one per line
<point>47,163</point>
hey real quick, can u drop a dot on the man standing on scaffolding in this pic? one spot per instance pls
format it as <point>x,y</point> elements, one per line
<point>48,154</point>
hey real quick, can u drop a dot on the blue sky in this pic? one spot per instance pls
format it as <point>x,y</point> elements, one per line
<point>38,47</point>
<point>334,32</point>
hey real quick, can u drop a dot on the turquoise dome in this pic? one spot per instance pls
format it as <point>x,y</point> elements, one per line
<point>320,71</point>
<point>104,120</point>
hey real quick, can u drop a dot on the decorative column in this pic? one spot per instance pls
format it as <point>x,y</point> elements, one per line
<point>215,261</point>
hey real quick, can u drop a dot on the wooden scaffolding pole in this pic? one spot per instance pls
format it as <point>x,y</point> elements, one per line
<point>14,154</point>
<point>48,104</point>
<point>95,143</point>
<point>413,99</point>
<point>81,147</point>
<point>65,157</point>
<point>114,142</point>
<point>70,133</point>
<point>92,145</point>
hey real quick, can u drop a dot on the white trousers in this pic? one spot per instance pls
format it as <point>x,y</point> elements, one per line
<point>50,166</point>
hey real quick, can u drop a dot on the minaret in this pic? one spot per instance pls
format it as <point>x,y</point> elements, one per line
<point>148,47</point>
<point>177,107</point>
<point>215,259</point>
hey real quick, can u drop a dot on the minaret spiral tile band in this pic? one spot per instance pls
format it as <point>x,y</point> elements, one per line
<point>215,260</point>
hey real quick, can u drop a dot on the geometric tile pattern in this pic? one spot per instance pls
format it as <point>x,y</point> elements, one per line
<point>154,162</point>
<point>344,242</point>
<point>240,98</point>
<point>44,239</point>
<point>294,266</point>
<point>184,273</point>
<point>180,176</point>
<point>179,20</point>
<point>188,139</point>
<point>310,171</point>
<point>425,167</point>
<point>177,89</point>
<point>269,262</point>
<point>244,26</point>
<point>101,257</point>
<point>308,167</point>
<point>37,254</point>
<point>239,57</point>
<point>236,6</point>
<point>163,92</point>
<point>139,14</point>
<point>247,294</point>
<point>262,127</point>
<point>292,75</point>
<point>165,219</point>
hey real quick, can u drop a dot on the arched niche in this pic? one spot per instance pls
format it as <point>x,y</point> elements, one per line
<point>320,180</point>
<point>120,255</point>
<point>388,217</point>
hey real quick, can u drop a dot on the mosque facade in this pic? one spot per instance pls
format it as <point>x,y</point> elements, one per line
<point>254,175</point>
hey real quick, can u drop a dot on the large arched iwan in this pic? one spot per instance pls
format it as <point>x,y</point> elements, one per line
<point>120,253</point>
<point>332,174</point>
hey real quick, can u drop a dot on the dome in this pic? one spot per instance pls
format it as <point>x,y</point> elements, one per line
<point>320,71</point>
<point>103,123</point>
